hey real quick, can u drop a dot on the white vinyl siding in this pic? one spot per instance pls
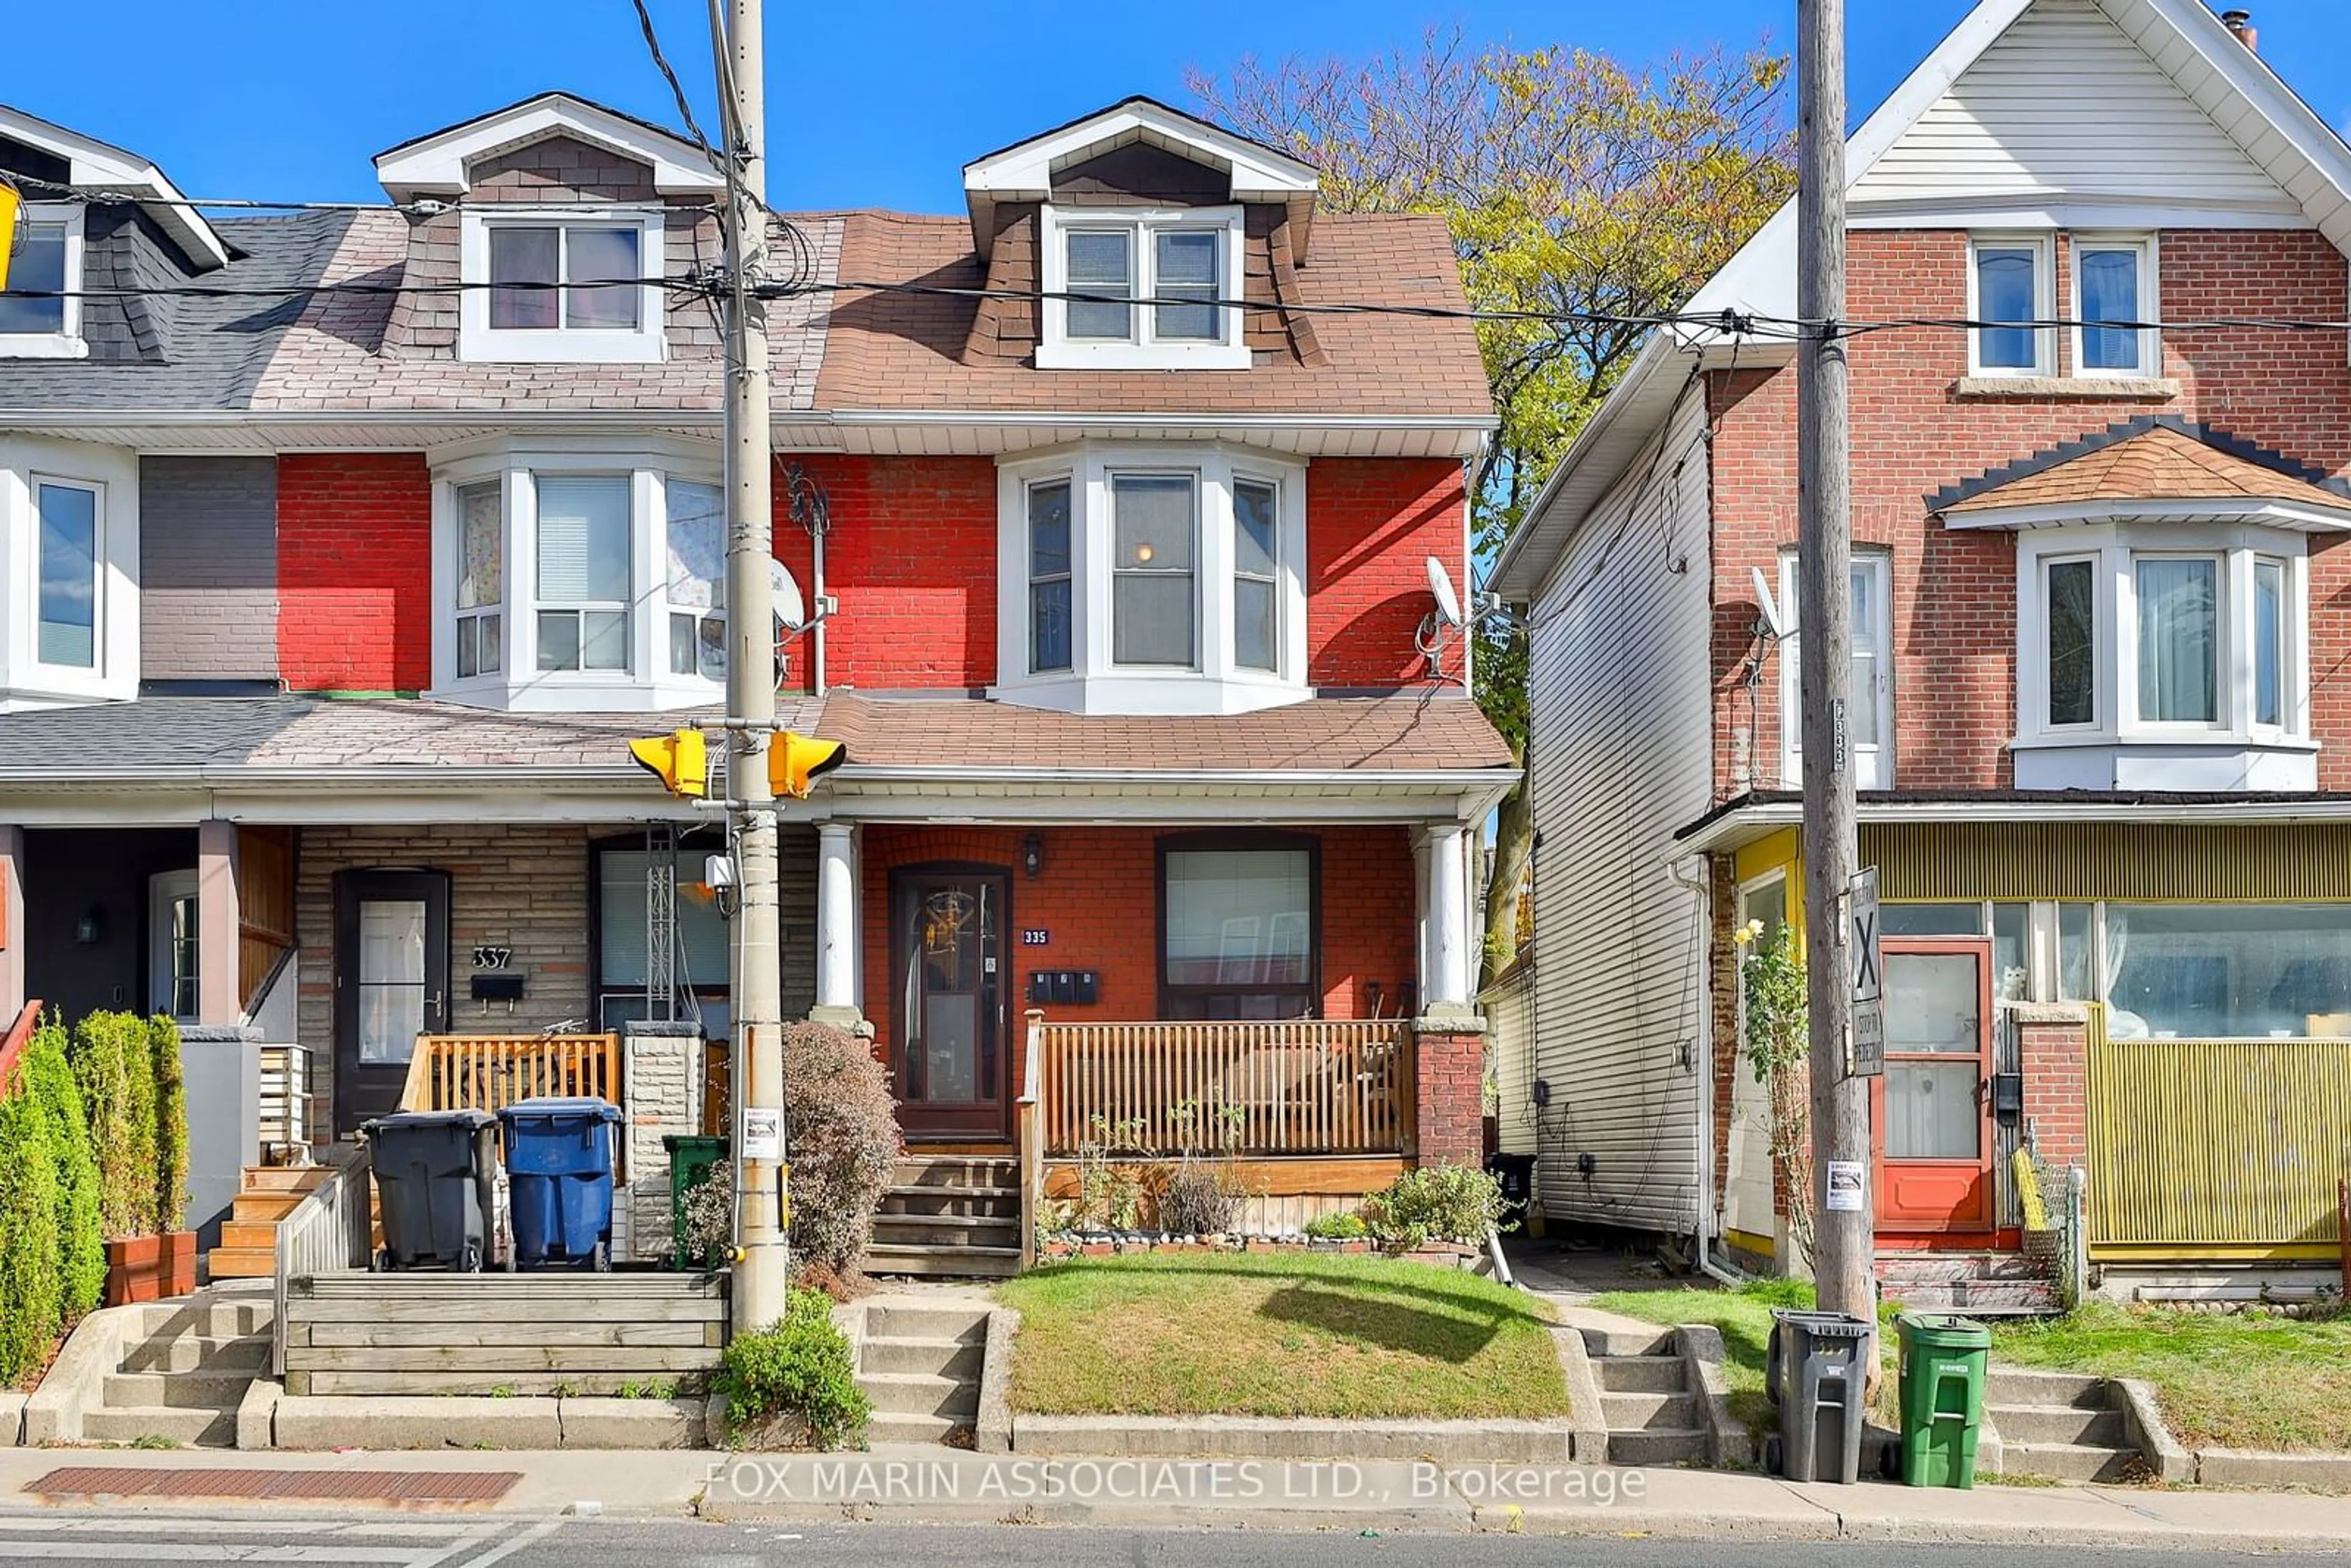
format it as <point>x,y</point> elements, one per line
<point>1621,753</point>
<point>2064,102</point>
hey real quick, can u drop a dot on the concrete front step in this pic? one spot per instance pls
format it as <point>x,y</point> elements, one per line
<point>932,1357</point>
<point>919,1393</point>
<point>1980,1298</point>
<point>2014,1386</point>
<point>2065,1461</point>
<point>965,1324</point>
<point>944,1262</point>
<point>1657,1445</point>
<point>232,1317</point>
<point>179,1390</point>
<point>1651,1412</point>
<point>181,1423</point>
<point>896,1429</point>
<point>2058,1423</point>
<point>1640,1374</point>
<point>199,1352</point>
<point>1614,1342</point>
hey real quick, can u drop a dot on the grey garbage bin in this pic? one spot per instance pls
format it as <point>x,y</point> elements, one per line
<point>1817,1373</point>
<point>432,1174</point>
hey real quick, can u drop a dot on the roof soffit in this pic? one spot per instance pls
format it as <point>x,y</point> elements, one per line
<point>97,165</point>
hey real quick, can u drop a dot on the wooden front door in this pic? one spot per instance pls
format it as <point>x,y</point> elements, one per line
<point>1931,1111</point>
<point>947,1001</point>
<point>392,983</point>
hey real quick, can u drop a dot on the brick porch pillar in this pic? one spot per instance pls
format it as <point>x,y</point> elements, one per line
<point>1449,1081</point>
<point>2054,1055</point>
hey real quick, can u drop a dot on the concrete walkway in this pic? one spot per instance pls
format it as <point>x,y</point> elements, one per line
<point>911,1484</point>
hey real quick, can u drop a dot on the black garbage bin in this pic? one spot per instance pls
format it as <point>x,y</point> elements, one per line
<point>432,1175</point>
<point>1516,1173</point>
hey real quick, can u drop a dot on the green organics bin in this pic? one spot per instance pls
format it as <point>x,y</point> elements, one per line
<point>1943,1365</point>
<point>691,1157</point>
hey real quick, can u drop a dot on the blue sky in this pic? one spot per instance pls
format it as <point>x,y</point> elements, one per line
<point>875,103</point>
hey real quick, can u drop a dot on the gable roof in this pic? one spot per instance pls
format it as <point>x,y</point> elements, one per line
<point>435,163</point>
<point>99,165</point>
<point>2233,88</point>
<point>2155,464</point>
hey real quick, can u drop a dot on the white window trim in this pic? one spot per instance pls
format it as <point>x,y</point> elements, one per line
<point>27,462</point>
<point>2116,548</point>
<point>163,890</point>
<point>1056,350</point>
<point>68,344</point>
<point>1873,765</point>
<point>2102,643</point>
<point>478,341</point>
<point>647,686</point>
<point>2044,303</point>
<point>1092,683</point>
<point>2151,304</point>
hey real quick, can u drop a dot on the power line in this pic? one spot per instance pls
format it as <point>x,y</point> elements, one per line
<point>677,89</point>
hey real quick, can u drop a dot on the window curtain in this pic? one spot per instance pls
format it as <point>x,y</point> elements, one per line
<point>2178,614</point>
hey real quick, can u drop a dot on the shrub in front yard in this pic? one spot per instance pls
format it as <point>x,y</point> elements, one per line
<point>30,1256</point>
<point>842,1133</point>
<point>1336,1227</point>
<point>1196,1201</point>
<point>170,1122</point>
<point>47,1077</point>
<point>114,1064</point>
<point>1434,1203</point>
<point>799,1368</point>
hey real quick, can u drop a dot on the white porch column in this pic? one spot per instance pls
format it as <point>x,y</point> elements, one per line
<point>219,994</point>
<point>1445,968</point>
<point>836,923</point>
<point>12,924</point>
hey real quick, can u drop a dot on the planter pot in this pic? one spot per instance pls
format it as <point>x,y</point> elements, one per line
<point>150,1268</point>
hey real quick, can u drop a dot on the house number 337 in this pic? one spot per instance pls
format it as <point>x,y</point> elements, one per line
<point>492,958</point>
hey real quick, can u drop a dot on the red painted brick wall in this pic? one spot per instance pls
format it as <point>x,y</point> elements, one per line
<point>1371,525</point>
<point>355,572</point>
<point>1448,1076</point>
<point>1954,593</point>
<point>2054,1060</point>
<point>1098,895</point>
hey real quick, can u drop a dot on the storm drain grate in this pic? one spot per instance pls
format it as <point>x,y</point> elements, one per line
<point>312,1486</point>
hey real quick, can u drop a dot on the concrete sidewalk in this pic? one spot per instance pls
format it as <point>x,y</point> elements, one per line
<point>917,1484</point>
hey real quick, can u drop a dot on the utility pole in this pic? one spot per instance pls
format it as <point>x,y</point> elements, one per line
<point>1843,1240</point>
<point>761,1262</point>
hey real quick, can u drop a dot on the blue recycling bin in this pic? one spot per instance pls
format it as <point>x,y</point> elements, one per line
<point>559,1175</point>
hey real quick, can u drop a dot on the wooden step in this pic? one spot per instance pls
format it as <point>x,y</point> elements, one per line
<point>254,1235</point>
<point>243,1262</point>
<point>282,1178</point>
<point>258,1207</point>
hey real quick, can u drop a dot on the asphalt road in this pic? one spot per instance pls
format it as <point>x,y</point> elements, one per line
<point>137,1541</point>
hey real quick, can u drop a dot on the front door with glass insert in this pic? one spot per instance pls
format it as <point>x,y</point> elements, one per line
<point>947,1002</point>
<point>392,983</point>
<point>1931,1111</point>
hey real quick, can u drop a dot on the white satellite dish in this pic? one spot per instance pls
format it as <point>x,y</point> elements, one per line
<point>1772,624</point>
<point>1441,584</point>
<point>791,612</point>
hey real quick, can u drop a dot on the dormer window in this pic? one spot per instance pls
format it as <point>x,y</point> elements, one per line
<point>38,317</point>
<point>558,286</point>
<point>1138,290</point>
<point>1153,580</point>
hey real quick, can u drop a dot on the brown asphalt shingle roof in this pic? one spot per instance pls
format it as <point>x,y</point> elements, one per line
<point>900,351</point>
<point>2161,464</point>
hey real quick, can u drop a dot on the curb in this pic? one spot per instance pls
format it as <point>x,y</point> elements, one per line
<point>2250,1468</point>
<point>12,1419</point>
<point>1590,1439</point>
<point>2143,1425</point>
<point>1547,1442</point>
<point>1728,1441</point>
<point>992,1431</point>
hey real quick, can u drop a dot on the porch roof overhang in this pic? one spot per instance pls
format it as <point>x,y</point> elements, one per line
<point>1744,820</point>
<point>1239,797</point>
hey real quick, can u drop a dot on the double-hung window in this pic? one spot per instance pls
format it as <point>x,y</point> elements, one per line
<point>1048,577</point>
<point>560,285</point>
<point>481,580</point>
<point>38,319</point>
<point>1141,289</point>
<point>1869,696</point>
<point>1257,575</point>
<point>2010,287</point>
<point>2179,631</point>
<point>582,551</point>
<point>1154,605</point>
<point>696,522</point>
<point>2114,296</point>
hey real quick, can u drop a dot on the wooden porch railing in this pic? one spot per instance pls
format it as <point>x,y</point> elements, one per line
<point>1300,1087</point>
<point>1030,1128</point>
<point>331,1231</point>
<point>285,1097</point>
<point>491,1071</point>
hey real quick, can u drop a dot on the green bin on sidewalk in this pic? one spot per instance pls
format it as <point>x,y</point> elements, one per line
<point>691,1157</point>
<point>1943,1365</point>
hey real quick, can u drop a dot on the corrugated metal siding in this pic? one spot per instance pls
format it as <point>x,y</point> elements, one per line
<point>2065,102</point>
<point>2149,862</point>
<point>1620,757</point>
<point>2216,1149</point>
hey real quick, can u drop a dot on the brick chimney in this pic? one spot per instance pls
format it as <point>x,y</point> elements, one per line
<point>2239,22</point>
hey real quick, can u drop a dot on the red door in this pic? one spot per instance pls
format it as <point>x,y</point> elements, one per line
<point>1930,1115</point>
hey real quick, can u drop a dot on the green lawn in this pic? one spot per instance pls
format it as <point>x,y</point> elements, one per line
<point>1744,1318</point>
<point>1296,1334</point>
<point>2232,1382</point>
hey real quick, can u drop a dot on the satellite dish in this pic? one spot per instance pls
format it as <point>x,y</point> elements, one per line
<point>1441,584</point>
<point>1773,623</point>
<point>791,612</point>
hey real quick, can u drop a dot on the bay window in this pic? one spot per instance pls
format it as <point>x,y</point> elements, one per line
<point>1138,579</point>
<point>1239,926</point>
<point>66,616</point>
<point>2184,641</point>
<point>576,578</point>
<point>69,522</point>
<point>561,285</point>
<point>1130,289</point>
